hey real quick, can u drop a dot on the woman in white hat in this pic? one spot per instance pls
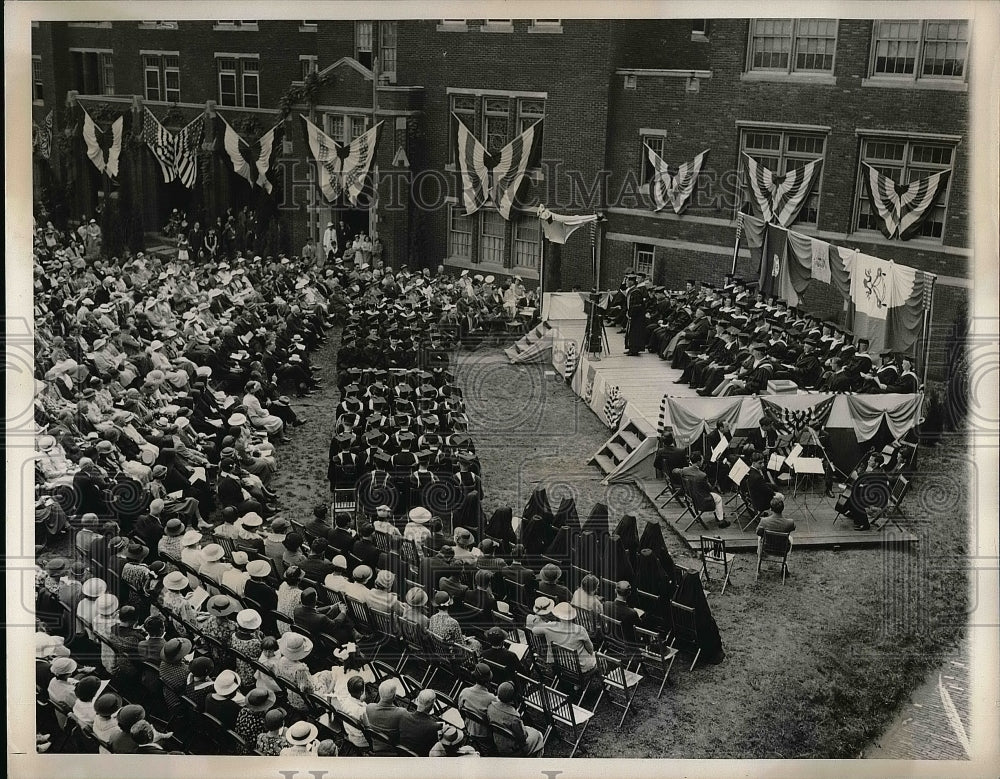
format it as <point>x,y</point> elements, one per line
<point>225,700</point>
<point>246,642</point>
<point>301,738</point>
<point>177,597</point>
<point>217,622</point>
<point>566,632</point>
<point>293,648</point>
<point>107,618</point>
<point>417,529</point>
<point>381,596</point>
<point>259,417</point>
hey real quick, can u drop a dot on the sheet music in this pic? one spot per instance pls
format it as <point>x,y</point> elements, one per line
<point>719,448</point>
<point>775,463</point>
<point>739,470</point>
<point>809,465</point>
<point>794,455</point>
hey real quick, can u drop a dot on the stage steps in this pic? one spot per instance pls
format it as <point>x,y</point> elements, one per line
<point>527,341</point>
<point>621,445</point>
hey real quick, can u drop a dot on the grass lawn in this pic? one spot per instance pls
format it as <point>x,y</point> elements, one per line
<point>814,668</point>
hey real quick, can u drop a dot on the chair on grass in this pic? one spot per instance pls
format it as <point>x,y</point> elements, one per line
<point>713,553</point>
<point>655,657</point>
<point>684,635</point>
<point>568,719</point>
<point>773,547</point>
<point>618,682</point>
<point>568,669</point>
<point>900,486</point>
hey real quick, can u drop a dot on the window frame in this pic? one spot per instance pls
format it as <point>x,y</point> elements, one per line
<point>790,69</point>
<point>239,75</point>
<point>917,78</point>
<point>700,29</point>
<point>307,25</point>
<point>909,143</point>
<point>639,249</point>
<point>545,26</point>
<point>157,61</point>
<point>488,242</point>
<point>783,155</point>
<point>497,25</point>
<point>243,25</point>
<point>358,50</point>
<point>385,72</point>
<point>525,219</point>
<point>495,114</point>
<point>457,211</point>
<point>462,113</point>
<point>655,142</point>
<point>313,60</point>
<point>37,80</point>
<point>158,25</point>
<point>103,63</point>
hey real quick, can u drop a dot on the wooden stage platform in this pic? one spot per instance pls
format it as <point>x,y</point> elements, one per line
<point>812,513</point>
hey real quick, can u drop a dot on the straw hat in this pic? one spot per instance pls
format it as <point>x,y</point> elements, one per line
<point>94,588</point>
<point>237,420</point>
<point>175,580</point>
<point>212,552</point>
<point>385,579</point>
<point>190,538</point>
<point>564,612</point>
<point>543,605</point>
<point>221,606</point>
<point>295,646</point>
<point>259,569</point>
<point>420,515</point>
<point>175,649</point>
<point>260,699</point>
<point>107,605</point>
<point>249,619</point>
<point>551,572</point>
<point>251,519</point>
<point>62,665</point>
<point>301,733</point>
<point>416,597</point>
<point>227,682</point>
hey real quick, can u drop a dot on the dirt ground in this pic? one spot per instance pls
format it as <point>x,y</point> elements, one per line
<point>816,667</point>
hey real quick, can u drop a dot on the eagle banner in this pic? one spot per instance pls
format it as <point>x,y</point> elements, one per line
<point>253,161</point>
<point>672,185</point>
<point>795,420</point>
<point>494,177</point>
<point>780,197</point>
<point>343,168</point>
<point>104,147</point>
<point>902,207</point>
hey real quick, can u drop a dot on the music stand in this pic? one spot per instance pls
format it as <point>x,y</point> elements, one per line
<point>806,466</point>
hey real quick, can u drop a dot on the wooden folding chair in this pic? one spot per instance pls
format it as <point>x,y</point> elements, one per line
<point>569,720</point>
<point>618,682</point>
<point>713,553</point>
<point>655,657</point>
<point>568,669</point>
<point>690,507</point>
<point>684,635</point>
<point>900,486</point>
<point>773,547</point>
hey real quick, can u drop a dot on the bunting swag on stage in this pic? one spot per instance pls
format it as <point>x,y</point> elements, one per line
<point>559,227</point>
<point>104,147</point>
<point>253,162</point>
<point>673,188</point>
<point>493,177</point>
<point>342,169</point>
<point>780,198</point>
<point>900,208</point>
<point>175,153</point>
<point>796,419</point>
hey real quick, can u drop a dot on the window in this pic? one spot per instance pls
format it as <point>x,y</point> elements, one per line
<point>912,49</point>
<point>459,233</point>
<point>529,111</point>
<point>309,63</point>
<point>904,160</point>
<point>546,22</point>
<point>387,51</point>
<point>643,259</point>
<point>157,25</point>
<point>338,125</point>
<point>527,241</point>
<point>783,151</point>
<point>496,116</point>
<point>492,238</point>
<point>363,35</point>
<point>93,72</point>
<point>236,24</point>
<point>308,25</point>
<point>37,92</point>
<point>699,29</point>
<point>465,107</point>
<point>793,45</point>
<point>161,76</point>
<point>654,142</point>
<point>239,81</point>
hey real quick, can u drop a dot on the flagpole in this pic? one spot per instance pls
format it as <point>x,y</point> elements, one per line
<point>928,324</point>
<point>373,210</point>
<point>736,248</point>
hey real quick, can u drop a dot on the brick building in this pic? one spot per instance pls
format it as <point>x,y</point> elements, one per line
<point>783,90</point>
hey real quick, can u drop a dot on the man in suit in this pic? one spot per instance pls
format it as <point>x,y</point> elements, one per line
<point>758,489</point>
<point>696,484</point>
<point>668,455</point>
<point>619,610</point>
<point>418,729</point>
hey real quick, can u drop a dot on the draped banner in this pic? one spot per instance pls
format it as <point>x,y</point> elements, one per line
<point>104,147</point>
<point>877,287</point>
<point>901,208</point>
<point>691,417</point>
<point>614,405</point>
<point>900,413</point>
<point>780,198</point>
<point>792,419</point>
<point>342,169</point>
<point>493,177</point>
<point>558,227</point>
<point>253,161</point>
<point>672,187</point>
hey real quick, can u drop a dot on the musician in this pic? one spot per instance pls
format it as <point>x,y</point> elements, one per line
<point>669,456</point>
<point>869,494</point>
<point>759,489</point>
<point>696,483</point>
<point>635,304</point>
<point>718,470</point>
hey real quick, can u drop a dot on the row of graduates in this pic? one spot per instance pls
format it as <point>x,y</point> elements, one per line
<point>733,340</point>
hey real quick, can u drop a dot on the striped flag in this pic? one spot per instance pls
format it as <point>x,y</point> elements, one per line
<point>901,208</point>
<point>475,175</point>
<point>614,407</point>
<point>252,161</point>
<point>161,142</point>
<point>104,147</point>
<point>795,420</point>
<point>673,188</point>
<point>780,198</point>
<point>342,169</point>
<point>495,177</point>
<point>186,144</point>
<point>45,139</point>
